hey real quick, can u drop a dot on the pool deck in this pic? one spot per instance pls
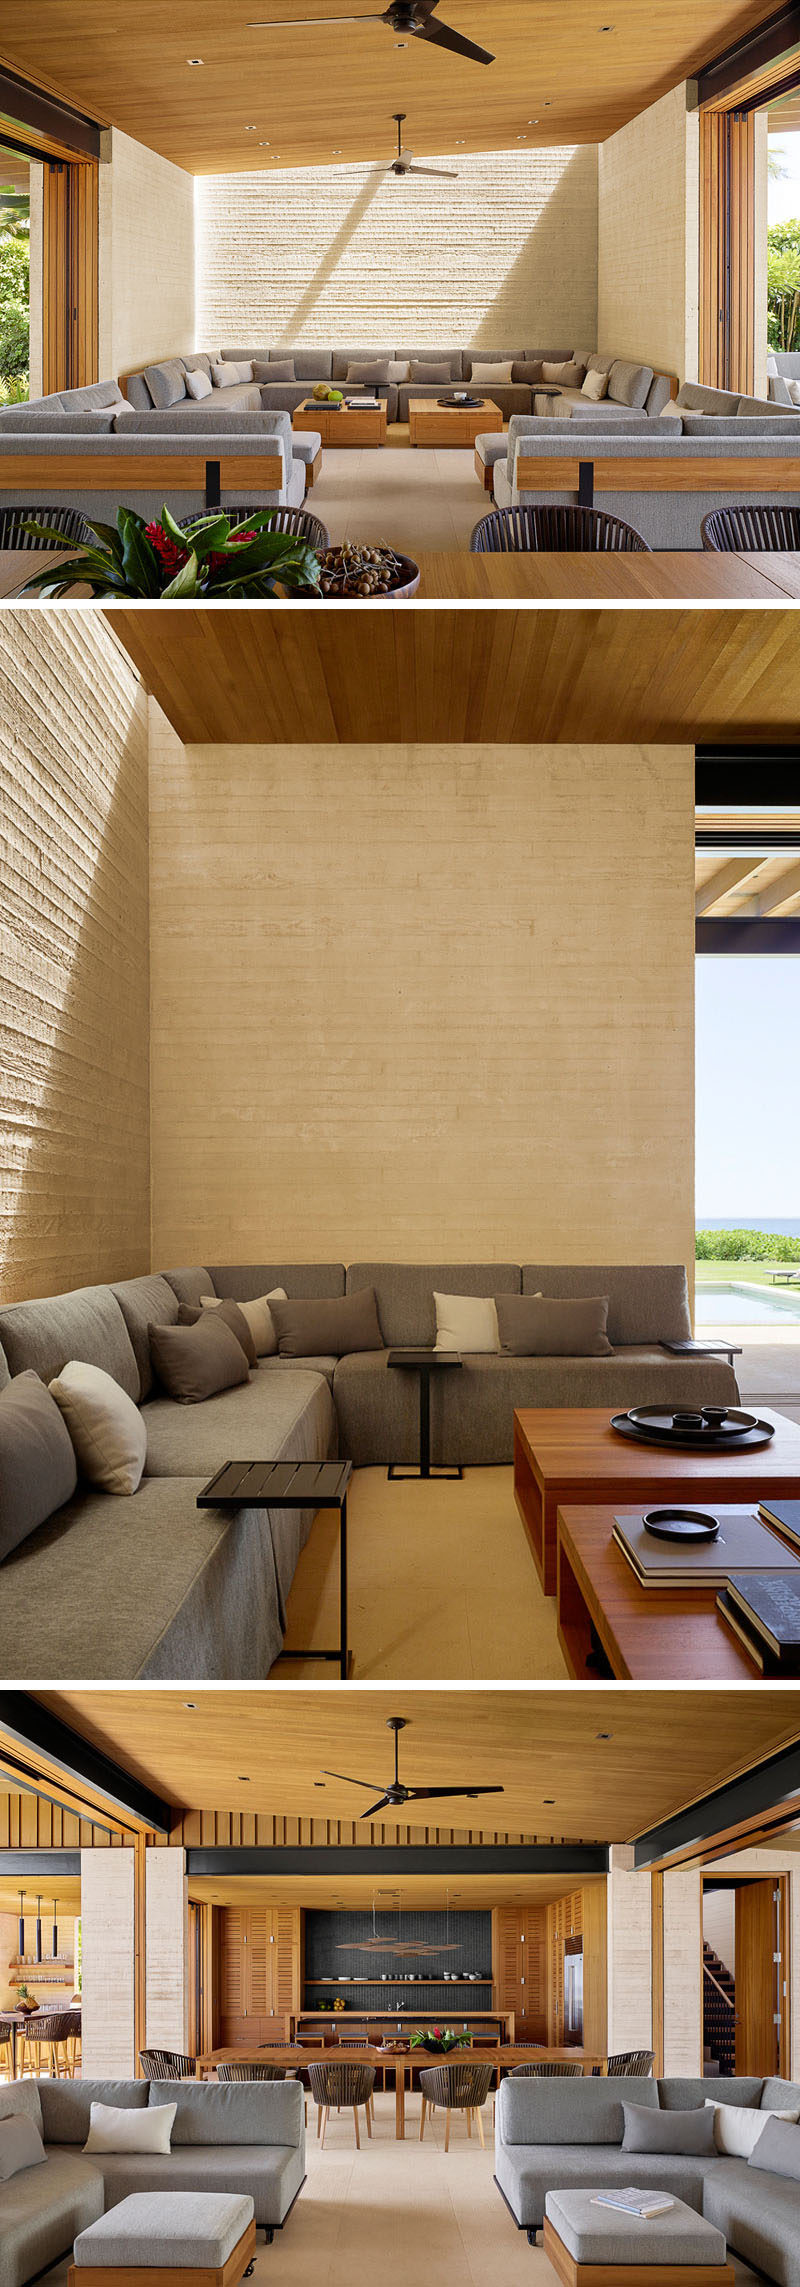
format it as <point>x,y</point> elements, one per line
<point>769,1368</point>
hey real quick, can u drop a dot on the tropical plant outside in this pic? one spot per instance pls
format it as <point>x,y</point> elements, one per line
<point>167,561</point>
<point>783,285</point>
<point>746,1246</point>
<point>15,255</point>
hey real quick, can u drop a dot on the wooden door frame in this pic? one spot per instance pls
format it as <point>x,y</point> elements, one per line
<point>70,273</point>
<point>731,89</point>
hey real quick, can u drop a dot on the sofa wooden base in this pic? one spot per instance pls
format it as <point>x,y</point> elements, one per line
<point>313,470</point>
<point>576,2274</point>
<point>238,2264</point>
<point>484,471</point>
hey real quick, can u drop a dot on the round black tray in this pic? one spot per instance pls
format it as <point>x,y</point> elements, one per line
<point>461,404</point>
<point>686,1440</point>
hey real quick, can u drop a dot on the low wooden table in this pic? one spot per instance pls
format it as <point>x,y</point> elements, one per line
<point>291,1485</point>
<point>570,1454</point>
<point>668,1635</point>
<point>364,426</point>
<point>433,424</point>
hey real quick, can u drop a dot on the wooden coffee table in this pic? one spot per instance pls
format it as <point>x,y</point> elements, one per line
<point>667,1635</point>
<point>432,424</point>
<point>364,426</point>
<point>565,1455</point>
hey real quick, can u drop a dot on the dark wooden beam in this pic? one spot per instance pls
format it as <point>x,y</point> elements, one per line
<point>768,1797</point>
<point>32,1730</point>
<point>577,1859</point>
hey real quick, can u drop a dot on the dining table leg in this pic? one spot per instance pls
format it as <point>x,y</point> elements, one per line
<point>400,2099</point>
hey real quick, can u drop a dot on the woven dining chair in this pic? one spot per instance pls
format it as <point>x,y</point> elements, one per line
<point>524,531</point>
<point>167,2065</point>
<point>50,2030</point>
<point>751,529</point>
<point>548,2071</point>
<point>254,2072</point>
<point>6,2047</point>
<point>638,2063</point>
<point>298,521</point>
<point>460,2085</point>
<point>338,2084</point>
<point>68,521</point>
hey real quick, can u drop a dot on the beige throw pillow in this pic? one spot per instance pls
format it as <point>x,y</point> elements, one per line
<point>737,2127</point>
<point>129,2128</point>
<point>569,376</point>
<point>466,1322</point>
<point>595,386</point>
<point>259,1318</point>
<point>225,375</point>
<point>106,1428</point>
<point>198,384</point>
<point>486,374</point>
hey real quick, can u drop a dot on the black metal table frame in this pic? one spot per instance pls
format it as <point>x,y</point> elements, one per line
<point>291,1485</point>
<point>728,1350</point>
<point>423,1363</point>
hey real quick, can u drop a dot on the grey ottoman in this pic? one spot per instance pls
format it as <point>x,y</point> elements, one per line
<point>588,2246</point>
<point>209,2235</point>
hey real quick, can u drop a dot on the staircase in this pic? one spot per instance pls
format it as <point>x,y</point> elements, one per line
<point>719,2017</point>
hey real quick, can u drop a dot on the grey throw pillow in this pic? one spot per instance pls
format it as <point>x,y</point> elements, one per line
<point>537,1326</point>
<point>166,383</point>
<point>231,1316</point>
<point>375,374</point>
<point>647,2130</point>
<point>778,2150</point>
<point>279,369</point>
<point>529,370</point>
<point>433,376</point>
<point>38,1470</point>
<point>20,2146</point>
<point>195,1362</point>
<point>327,1329</point>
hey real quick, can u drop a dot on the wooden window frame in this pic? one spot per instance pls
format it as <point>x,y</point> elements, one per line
<point>70,270</point>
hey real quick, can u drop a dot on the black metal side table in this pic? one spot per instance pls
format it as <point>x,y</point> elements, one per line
<point>291,1485</point>
<point>729,1350</point>
<point>424,1363</point>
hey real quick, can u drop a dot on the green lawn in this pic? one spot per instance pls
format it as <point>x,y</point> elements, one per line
<point>756,1274</point>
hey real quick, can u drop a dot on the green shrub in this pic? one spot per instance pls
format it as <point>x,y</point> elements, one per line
<point>14,388</point>
<point>746,1247</point>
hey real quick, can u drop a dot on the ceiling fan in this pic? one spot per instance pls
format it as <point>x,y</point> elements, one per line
<point>402,164</point>
<point>396,1794</point>
<point>413,19</point>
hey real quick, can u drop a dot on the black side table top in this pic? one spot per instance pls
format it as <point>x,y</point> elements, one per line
<point>278,1485</point>
<point>424,1359</point>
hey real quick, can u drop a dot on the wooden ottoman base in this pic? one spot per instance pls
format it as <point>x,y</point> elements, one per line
<point>576,2274</point>
<point>142,2275</point>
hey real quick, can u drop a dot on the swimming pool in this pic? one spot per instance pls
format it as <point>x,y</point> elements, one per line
<point>739,1304</point>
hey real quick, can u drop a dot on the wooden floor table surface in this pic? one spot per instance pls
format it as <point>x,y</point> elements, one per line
<point>671,575</point>
<point>669,1635</point>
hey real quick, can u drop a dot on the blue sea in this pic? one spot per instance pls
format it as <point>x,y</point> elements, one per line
<point>788,1226</point>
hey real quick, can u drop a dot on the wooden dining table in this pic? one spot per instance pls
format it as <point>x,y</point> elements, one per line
<point>403,2062</point>
<point>664,575</point>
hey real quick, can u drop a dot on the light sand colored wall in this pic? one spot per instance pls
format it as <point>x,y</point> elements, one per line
<point>683,1974</point>
<point>108,2042</point>
<point>719,1924</point>
<point>422,1001</point>
<point>505,256</point>
<point>630,2006</point>
<point>648,237</point>
<point>147,261</point>
<point>167,1950</point>
<point>74,1095</point>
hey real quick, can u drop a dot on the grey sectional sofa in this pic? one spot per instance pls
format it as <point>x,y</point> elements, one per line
<point>563,2134</point>
<point>121,1587</point>
<point>664,475</point>
<point>629,384</point>
<point>200,448</point>
<point>248,2137</point>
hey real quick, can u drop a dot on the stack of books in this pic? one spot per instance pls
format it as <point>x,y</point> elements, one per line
<point>763,1608</point>
<point>634,2203</point>
<point>742,1545</point>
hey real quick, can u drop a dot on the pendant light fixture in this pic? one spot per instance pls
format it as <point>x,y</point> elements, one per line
<point>38,1929</point>
<point>55,1929</point>
<point>21,1933</point>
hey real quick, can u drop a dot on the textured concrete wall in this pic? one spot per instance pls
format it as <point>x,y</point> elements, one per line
<point>147,263</point>
<point>648,238</point>
<point>108,2034</point>
<point>506,256</point>
<point>74,1087</point>
<point>683,1974</point>
<point>629,1943</point>
<point>167,1950</point>
<point>422,1001</point>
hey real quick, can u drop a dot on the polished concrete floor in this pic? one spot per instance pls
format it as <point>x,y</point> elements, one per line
<point>405,2215</point>
<point>412,498</point>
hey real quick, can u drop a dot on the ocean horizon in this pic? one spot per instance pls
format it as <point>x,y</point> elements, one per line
<point>787,1225</point>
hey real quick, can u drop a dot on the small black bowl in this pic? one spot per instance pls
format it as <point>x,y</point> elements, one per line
<point>681,1524</point>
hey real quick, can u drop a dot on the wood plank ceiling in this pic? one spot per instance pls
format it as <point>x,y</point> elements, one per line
<point>290,676</point>
<point>595,1765</point>
<point>563,73</point>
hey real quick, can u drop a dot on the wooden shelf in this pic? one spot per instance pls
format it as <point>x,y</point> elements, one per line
<point>479,1982</point>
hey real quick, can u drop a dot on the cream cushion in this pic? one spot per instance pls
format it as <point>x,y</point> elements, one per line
<point>259,1318</point>
<point>120,2128</point>
<point>794,391</point>
<point>737,2127</point>
<point>198,384</point>
<point>466,1322</point>
<point>595,386</point>
<point>106,1428</point>
<point>486,375</point>
<point>225,376</point>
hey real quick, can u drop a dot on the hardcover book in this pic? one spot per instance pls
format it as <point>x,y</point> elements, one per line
<point>742,1545</point>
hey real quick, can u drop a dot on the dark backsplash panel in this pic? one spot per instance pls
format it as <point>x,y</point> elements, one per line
<point>470,1938</point>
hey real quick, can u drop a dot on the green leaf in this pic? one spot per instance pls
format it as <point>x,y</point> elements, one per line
<point>139,561</point>
<point>185,582</point>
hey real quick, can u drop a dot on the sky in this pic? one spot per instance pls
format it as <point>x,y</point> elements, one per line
<point>748,1085</point>
<point>784,196</point>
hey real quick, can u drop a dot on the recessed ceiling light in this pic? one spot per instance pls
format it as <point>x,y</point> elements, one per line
<point>190,1703</point>
<point>263,146</point>
<point>319,1782</point>
<point>244,1780</point>
<point>460,141</point>
<point>548,1801</point>
<point>251,130</point>
<point>194,59</point>
<point>604,1734</point>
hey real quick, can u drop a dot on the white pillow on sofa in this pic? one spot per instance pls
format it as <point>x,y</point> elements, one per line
<point>737,2127</point>
<point>125,2128</point>
<point>466,1322</point>
<point>198,384</point>
<point>594,385</point>
<point>106,1428</point>
<point>259,1318</point>
<point>226,376</point>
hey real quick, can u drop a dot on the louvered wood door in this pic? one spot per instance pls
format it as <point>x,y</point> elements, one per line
<point>286,1961</point>
<point>233,1977</point>
<point>509,1959</point>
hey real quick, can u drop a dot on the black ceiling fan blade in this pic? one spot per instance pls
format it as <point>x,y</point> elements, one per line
<point>382,1805</point>
<point>306,23</point>
<point>443,36</point>
<point>345,1775</point>
<point>437,174</point>
<point>426,1794</point>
